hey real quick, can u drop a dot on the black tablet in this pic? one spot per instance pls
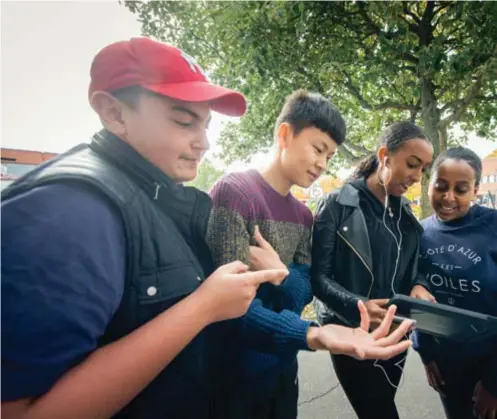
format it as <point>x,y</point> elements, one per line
<point>446,321</point>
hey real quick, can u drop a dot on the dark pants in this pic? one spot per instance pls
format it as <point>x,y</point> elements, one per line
<point>460,377</point>
<point>276,401</point>
<point>367,387</point>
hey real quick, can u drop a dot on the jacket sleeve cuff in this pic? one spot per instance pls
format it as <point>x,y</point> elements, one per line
<point>295,336</point>
<point>278,333</point>
<point>420,280</point>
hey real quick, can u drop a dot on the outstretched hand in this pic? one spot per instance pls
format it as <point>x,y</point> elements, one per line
<point>359,343</point>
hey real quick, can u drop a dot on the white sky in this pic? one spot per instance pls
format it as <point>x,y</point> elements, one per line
<point>46,51</point>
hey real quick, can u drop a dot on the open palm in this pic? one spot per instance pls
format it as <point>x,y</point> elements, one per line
<point>359,343</point>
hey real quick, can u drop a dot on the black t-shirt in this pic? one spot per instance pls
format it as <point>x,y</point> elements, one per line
<point>383,244</point>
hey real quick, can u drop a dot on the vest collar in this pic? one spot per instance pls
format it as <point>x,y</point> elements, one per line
<point>187,206</point>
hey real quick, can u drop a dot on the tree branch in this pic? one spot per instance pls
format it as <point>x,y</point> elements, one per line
<point>425,28</point>
<point>349,156</point>
<point>355,91</point>
<point>437,10</point>
<point>409,57</point>
<point>414,114</point>
<point>473,93</point>
<point>376,30</point>
<point>363,151</point>
<point>314,80</point>
<point>442,5</point>
<point>183,30</point>
<point>414,28</point>
<point>362,11</point>
<point>366,105</point>
<point>462,104</point>
<point>485,98</point>
<point>429,12</point>
<point>411,14</point>
<point>394,87</point>
<point>410,68</point>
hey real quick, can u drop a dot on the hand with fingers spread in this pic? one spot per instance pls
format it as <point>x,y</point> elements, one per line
<point>359,343</point>
<point>435,379</point>
<point>376,310</point>
<point>263,256</point>
<point>229,291</point>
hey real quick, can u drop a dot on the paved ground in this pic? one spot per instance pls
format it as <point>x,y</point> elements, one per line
<point>415,399</point>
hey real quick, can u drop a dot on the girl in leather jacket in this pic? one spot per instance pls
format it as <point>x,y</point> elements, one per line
<point>365,247</point>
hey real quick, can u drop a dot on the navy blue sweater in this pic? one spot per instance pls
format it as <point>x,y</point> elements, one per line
<point>459,259</point>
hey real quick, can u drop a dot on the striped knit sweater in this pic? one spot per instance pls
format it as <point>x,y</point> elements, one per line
<point>266,340</point>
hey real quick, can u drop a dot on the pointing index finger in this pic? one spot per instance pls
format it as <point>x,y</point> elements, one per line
<point>275,276</point>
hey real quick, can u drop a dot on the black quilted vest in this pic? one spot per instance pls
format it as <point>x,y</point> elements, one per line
<point>165,226</point>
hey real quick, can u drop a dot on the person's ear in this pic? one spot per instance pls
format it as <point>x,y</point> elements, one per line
<point>383,156</point>
<point>110,110</point>
<point>283,135</point>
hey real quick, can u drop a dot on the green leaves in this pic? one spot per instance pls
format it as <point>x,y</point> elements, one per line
<point>369,58</point>
<point>207,176</point>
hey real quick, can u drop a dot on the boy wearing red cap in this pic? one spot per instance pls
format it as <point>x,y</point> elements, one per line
<point>104,259</point>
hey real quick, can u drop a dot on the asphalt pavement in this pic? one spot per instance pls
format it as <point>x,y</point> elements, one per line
<point>321,397</point>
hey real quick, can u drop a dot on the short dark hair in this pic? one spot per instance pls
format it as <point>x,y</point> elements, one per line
<point>304,109</point>
<point>393,138</point>
<point>131,95</point>
<point>460,153</point>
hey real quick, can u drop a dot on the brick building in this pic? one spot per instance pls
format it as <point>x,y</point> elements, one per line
<point>16,163</point>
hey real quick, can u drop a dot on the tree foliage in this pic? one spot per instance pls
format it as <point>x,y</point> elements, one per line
<point>207,176</point>
<point>431,62</point>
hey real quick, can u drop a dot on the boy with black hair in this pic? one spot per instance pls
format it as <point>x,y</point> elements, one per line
<point>259,357</point>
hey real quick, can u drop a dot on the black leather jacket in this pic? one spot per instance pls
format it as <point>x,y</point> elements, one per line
<point>341,272</point>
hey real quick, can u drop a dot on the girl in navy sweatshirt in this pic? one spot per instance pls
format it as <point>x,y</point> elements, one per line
<point>459,259</point>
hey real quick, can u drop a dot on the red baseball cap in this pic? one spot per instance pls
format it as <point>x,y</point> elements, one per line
<point>163,69</point>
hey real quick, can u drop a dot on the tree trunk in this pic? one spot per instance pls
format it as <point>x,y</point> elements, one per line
<point>426,209</point>
<point>430,116</point>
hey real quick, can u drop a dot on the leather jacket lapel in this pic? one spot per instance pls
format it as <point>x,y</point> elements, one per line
<point>354,230</point>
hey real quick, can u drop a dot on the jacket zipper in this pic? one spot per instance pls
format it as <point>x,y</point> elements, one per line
<point>362,260</point>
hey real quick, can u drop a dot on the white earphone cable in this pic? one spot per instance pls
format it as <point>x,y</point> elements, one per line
<point>398,242</point>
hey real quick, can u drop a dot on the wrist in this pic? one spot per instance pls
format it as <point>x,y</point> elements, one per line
<point>203,306</point>
<point>313,338</point>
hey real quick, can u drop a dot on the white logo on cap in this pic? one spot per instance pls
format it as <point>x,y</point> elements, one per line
<point>192,63</point>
